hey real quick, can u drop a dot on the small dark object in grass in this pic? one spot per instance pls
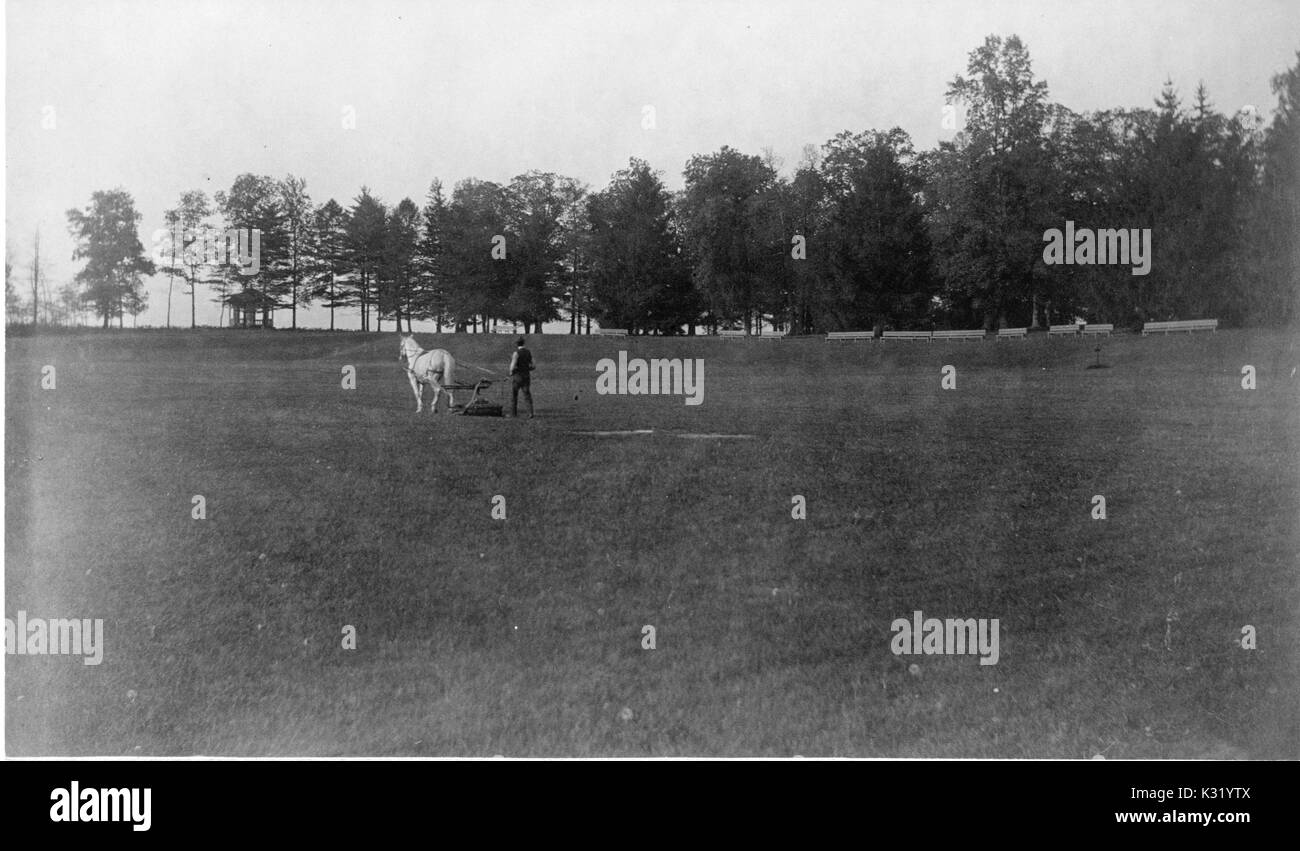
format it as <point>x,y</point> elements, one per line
<point>1098,364</point>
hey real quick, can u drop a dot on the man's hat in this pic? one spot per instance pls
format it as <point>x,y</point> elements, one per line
<point>519,342</point>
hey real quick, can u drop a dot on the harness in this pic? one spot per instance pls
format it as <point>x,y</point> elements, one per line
<point>410,366</point>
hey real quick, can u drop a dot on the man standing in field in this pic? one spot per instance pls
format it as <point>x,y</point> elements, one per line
<point>521,375</point>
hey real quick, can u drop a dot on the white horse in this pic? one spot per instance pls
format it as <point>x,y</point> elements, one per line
<point>435,368</point>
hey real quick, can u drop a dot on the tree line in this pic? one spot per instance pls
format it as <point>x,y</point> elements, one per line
<point>865,233</point>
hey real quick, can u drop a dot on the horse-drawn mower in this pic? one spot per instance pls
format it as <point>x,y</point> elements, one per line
<point>431,368</point>
<point>477,406</point>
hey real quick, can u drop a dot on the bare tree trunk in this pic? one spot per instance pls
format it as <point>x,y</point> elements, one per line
<point>36,279</point>
<point>171,277</point>
<point>51,313</point>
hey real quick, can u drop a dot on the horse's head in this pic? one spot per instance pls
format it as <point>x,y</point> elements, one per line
<point>407,348</point>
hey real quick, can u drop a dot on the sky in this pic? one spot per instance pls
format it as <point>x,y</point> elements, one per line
<point>162,97</point>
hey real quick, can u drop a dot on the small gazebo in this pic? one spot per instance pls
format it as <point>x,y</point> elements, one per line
<point>251,309</point>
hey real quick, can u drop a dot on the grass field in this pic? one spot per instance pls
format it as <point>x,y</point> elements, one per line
<point>523,637</point>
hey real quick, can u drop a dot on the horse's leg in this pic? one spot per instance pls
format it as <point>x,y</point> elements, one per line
<point>437,392</point>
<point>418,391</point>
